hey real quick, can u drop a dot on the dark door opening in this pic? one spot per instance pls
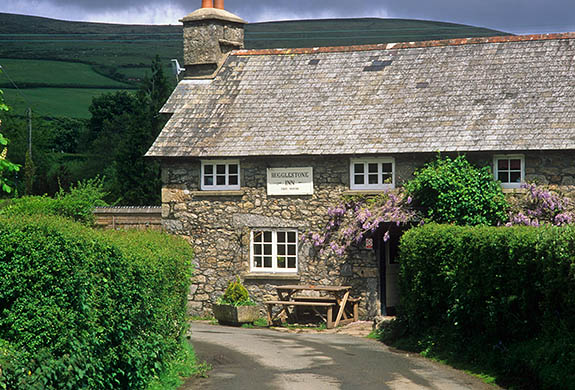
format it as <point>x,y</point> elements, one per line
<point>388,252</point>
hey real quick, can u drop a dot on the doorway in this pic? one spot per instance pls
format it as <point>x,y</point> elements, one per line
<point>389,271</point>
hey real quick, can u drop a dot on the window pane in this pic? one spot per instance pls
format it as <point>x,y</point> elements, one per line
<point>257,249</point>
<point>267,262</point>
<point>208,169</point>
<point>291,250</point>
<point>233,168</point>
<point>221,180</point>
<point>221,169</point>
<point>268,236</point>
<point>515,164</point>
<point>268,249</point>
<point>281,237</point>
<point>208,180</point>
<point>387,167</point>
<point>281,250</point>
<point>386,178</point>
<point>372,179</point>
<point>372,167</point>
<point>233,180</point>
<point>515,177</point>
<point>359,179</point>
<point>281,262</point>
<point>358,168</point>
<point>258,236</point>
<point>502,164</point>
<point>503,177</point>
<point>291,262</point>
<point>257,261</point>
<point>291,237</point>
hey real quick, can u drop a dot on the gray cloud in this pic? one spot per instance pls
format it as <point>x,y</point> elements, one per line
<point>520,16</point>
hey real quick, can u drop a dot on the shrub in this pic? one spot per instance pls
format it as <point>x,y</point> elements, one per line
<point>77,203</point>
<point>87,309</point>
<point>454,191</point>
<point>507,289</point>
<point>236,294</point>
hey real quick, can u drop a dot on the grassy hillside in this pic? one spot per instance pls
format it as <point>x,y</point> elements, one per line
<point>60,65</point>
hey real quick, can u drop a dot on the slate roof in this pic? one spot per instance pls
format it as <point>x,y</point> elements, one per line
<point>479,94</point>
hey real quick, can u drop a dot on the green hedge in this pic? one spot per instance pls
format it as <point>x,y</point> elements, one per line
<point>509,290</point>
<point>86,309</point>
<point>77,203</point>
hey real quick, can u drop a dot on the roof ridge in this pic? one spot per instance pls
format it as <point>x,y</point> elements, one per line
<point>407,45</point>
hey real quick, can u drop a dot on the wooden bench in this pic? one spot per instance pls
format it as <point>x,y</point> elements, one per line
<point>353,316</point>
<point>314,305</point>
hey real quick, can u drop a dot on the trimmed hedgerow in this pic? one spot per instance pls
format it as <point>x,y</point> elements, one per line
<point>507,291</point>
<point>86,309</point>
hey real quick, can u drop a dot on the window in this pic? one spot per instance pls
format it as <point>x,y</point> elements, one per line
<point>509,170</point>
<point>274,250</point>
<point>372,174</point>
<point>220,175</point>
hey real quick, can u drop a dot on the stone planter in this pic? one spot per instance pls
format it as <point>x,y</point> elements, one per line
<point>235,315</point>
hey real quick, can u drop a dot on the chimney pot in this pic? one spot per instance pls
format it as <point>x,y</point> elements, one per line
<point>219,4</point>
<point>207,3</point>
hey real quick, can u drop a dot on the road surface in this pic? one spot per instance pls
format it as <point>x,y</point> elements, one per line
<point>262,359</point>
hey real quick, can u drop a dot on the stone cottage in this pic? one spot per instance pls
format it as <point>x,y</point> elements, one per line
<point>261,142</point>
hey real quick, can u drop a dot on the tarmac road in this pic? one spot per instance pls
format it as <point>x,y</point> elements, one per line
<point>262,359</point>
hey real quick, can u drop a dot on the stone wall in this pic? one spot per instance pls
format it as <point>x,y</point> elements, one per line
<point>219,223</point>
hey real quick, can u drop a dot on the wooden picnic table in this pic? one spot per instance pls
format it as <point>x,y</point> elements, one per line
<point>334,296</point>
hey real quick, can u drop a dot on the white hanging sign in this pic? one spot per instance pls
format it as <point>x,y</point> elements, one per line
<point>290,181</point>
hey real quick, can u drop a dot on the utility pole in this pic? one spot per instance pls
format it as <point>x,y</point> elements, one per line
<point>30,131</point>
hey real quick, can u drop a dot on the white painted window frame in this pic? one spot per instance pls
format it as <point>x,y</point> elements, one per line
<point>274,268</point>
<point>498,157</point>
<point>365,161</point>
<point>215,187</point>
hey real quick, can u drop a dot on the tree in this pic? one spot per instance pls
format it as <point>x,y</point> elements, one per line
<point>111,114</point>
<point>138,179</point>
<point>5,165</point>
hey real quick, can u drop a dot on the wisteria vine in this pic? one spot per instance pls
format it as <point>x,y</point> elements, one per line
<point>540,206</point>
<point>356,218</point>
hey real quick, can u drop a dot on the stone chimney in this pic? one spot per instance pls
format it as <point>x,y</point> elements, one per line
<point>209,34</point>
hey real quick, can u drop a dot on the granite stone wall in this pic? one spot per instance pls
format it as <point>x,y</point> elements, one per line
<point>219,223</point>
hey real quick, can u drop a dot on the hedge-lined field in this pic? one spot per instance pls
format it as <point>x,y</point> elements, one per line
<point>86,309</point>
<point>502,295</point>
<point>55,102</point>
<point>54,74</point>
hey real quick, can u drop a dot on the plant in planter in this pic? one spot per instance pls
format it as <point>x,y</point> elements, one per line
<point>235,307</point>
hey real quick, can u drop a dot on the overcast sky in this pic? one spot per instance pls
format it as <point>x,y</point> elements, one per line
<point>516,16</point>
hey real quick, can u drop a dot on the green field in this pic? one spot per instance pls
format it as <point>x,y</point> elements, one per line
<point>54,102</point>
<point>47,57</point>
<point>53,73</point>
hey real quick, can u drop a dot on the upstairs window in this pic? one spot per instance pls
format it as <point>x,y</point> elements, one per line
<point>509,170</point>
<point>372,174</point>
<point>274,251</point>
<point>220,175</point>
